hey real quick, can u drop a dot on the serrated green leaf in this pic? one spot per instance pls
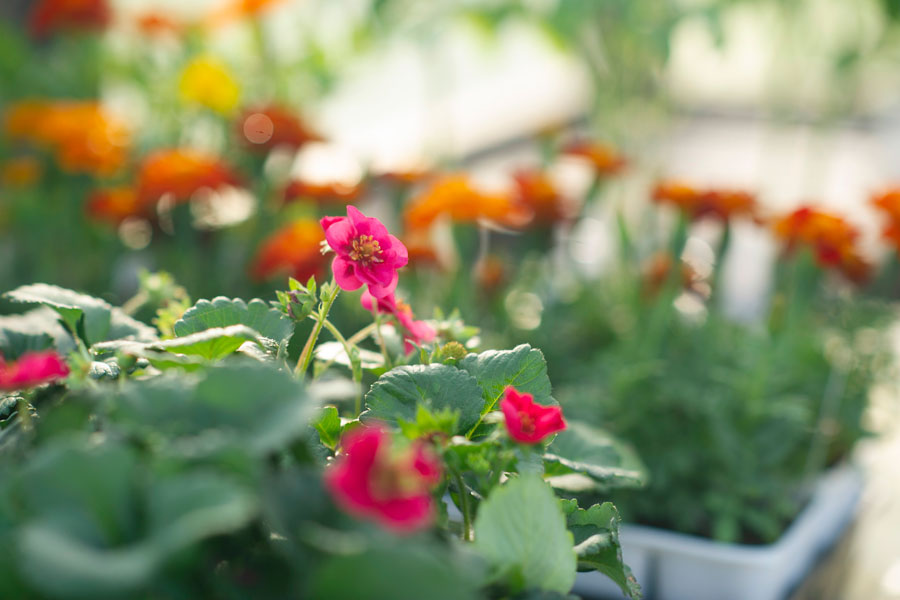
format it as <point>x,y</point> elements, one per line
<point>82,313</point>
<point>593,452</point>
<point>223,312</point>
<point>523,367</point>
<point>398,394</point>
<point>596,535</point>
<point>521,531</point>
<point>211,344</point>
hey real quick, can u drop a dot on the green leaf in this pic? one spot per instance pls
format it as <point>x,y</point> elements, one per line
<point>596,535</point>
<point>89,316</point>
<point>250,404</point>
<point>211,344</point>
<point>411,571</point>
<point>36,329</point>
<point>520,529</point>
<point>523,367</point>
<point>124,327</point>
<point>398,394</point>
<point>590,451</point>
<point>329,351</point>
<point>329,427</point>
<point>223,312</point>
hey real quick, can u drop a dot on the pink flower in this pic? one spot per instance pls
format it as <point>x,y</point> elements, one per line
<point>33,368</point>
<point>415,332</point>
<point>393,489</point>
<point>526,421</point>
<point>366,253</point>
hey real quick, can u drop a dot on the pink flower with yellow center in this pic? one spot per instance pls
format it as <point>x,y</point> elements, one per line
<point>366,253</point>
<point>371,481</point>
<point>528,422</point>
<point>33,368</point>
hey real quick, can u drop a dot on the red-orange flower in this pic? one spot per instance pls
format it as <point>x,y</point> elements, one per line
<point>722,204</point>
<point>234,10</point>
<point>153,24</point>
<point>114,205</point>
<point>323,194</point>
<point>266,127</point>
<point>831,239</point>
<point>180,173</point>
<point>372,481</point>
<point>528,422</point>
<point>293,250</point>
<point>604,159</point>
<point>536,191</point>
<point>54,15</point>
<point>888,202</point>
<point>658,269</point>
<point>81,135</point>
<point>456,197</point>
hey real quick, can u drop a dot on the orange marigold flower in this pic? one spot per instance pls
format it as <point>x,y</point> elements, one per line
<point>21,171</point>
<point>537,192</point>
<point>267,127</point>
<point>114,205</point>
<point>657,271</point>
<point>722,204</point>
<point>888,202</point>
<point>234,10</point>
<point>153,24</point>
<point>293,250</point>
<point>81,135</point>
<point>54,15</point>
<point>322,193</point>
<point>455,196</point>
<point>180,173</point>
<point>403,177</point>
<point>605,159</point>
<point>831,239</point>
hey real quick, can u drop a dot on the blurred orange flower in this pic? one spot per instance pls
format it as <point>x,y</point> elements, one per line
<point>81,135</point>
<point>208,82</point>
<point>54,15</point>
<point>180,173</point>
<point>114,205</point>
<point>537,192</point>
<point>455,196</point>
<point>234,10</point>
<point>267,127</point>
<point>831,238</point>
<point>888,202</point>
<point>722,204</point>
<point>322,193</point>
<point>490,273</point>
<point>152,24</point>
<point>605,159</point>
<point>292,250</point>
<point>658,268</point>
<point>21,171</point>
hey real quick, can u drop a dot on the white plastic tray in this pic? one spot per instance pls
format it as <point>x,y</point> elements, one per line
<point>675,566</point>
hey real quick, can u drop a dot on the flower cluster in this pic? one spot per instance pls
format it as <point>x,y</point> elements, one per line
<point>81,136</point>
<point>456,197</point>
<point>831,239</point>
<point>720,204</point>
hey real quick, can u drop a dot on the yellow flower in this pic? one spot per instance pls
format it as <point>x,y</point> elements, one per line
<point>207,82</point>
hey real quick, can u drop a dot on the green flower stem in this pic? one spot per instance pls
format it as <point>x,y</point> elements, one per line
<point>464,507</point>
<point>354,370</point>
<point>378,336</point>
<point>306,354</point>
